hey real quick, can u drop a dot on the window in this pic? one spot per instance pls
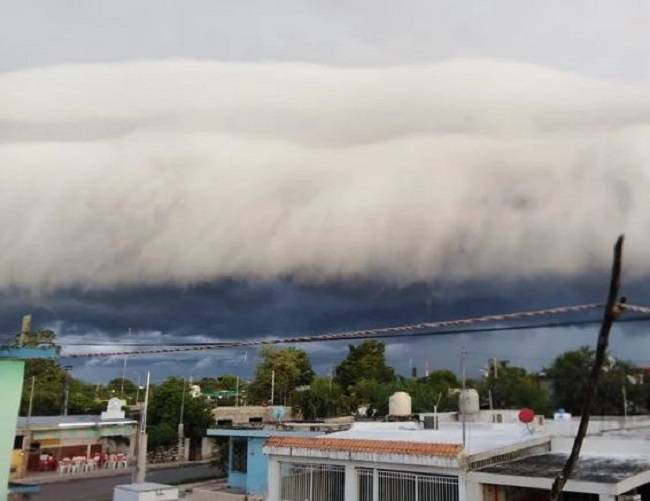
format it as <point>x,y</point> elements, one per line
<point>406,486</point>
<point>312,482</point>
<point>365,483</point>
<point>239,455</point>
<point>18,442</point>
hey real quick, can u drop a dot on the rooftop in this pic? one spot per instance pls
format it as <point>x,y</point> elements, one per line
<point>480,437</point>
<point>68,421</point>
<point>609,469</point>
<point>367,446</point>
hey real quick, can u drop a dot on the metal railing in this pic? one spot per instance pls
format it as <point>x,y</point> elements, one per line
<point>406,486</point>
<point>365,482</point>
<point>311,482</point>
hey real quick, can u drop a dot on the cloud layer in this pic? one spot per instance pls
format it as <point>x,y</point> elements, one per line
<point>181,172</point>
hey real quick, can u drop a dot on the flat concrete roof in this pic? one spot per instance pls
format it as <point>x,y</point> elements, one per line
<point>480,437</point>
<point>259,433</point>
<point>52,422</point>
<point>610,469</point>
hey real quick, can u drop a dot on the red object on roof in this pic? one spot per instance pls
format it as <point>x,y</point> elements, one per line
<point>526,415</point>
<point>376,446</point>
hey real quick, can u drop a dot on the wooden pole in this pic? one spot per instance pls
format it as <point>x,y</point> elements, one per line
<point>612,311</point>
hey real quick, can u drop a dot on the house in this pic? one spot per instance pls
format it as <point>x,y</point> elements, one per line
<point>251,414</point>
<point>68,436</point>
<point>392,461</point>
<point>499,462</point>
<point>247,464</point>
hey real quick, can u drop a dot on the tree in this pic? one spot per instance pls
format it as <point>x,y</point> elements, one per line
<point>366,361</point>
<point>115,389</point>
<point>49,391</point>
<point>514,388</point>
<point>48,388</point>
<point>292,369</point>
<point>426,391</point>
<point>568,376</point>
<point>165,409</point>
<point>323,399</point>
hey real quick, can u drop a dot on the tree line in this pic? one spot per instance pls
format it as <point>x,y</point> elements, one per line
<point>363,379</point>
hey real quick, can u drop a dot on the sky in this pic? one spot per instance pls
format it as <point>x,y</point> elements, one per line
<point>209,170</point>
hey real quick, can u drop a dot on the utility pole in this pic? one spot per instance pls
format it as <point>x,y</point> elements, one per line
<point>237,393</point>
<point>331,378</point>
<point>272,387</point>
<point>141,465</point>
<point>137,391</point>
<point>463,397</point>
<point>31,401</point>
<point>66,389</point>
<point>123,378</point>
<point>181,427</point>
<point>490,399</point>
<point>624,391</point>
<point>496,368</point>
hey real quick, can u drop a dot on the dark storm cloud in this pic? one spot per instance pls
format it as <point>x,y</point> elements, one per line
<point>245,310</point>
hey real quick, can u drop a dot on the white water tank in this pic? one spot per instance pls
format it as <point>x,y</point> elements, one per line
<point>399,404</point>
<point>468,402</point>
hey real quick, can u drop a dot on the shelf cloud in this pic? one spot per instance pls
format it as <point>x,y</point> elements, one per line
<point>180,172</point>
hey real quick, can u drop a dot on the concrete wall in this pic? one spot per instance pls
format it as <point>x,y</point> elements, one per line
<point>243,415</point>
<point>257,466</point>
<point>11,387</point>
<point>254,480</point>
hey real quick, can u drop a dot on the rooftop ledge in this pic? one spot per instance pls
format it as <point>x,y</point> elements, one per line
<point>29,352</point>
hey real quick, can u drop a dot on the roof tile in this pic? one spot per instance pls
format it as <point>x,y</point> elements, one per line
<point>376,446</point>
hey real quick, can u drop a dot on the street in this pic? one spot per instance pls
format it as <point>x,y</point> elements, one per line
<point>101,489</point>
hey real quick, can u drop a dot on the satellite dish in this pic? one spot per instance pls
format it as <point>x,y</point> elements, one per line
<point>526,415</point>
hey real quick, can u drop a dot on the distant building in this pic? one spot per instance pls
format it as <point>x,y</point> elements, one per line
<point>247,465</point>
<point>251,414</point>
<point>58,437</point>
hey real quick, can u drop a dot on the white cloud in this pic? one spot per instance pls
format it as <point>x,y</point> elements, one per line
<point>183,171</point>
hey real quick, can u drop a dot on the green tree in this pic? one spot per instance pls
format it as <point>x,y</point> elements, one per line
<point>165,409</point>
<point>323,399</point>
<point>435,388</point>
<point>514,388</point>
<point>114,388</point>
<point>570,371</point>
<point>48,387</point>
<point>365,361</point>
<point>292,369</point>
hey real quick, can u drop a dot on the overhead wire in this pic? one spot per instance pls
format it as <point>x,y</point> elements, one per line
<point>412,330</point>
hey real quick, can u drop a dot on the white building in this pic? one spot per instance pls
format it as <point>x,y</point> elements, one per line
<point>392,462</point>
<point>500,462</point>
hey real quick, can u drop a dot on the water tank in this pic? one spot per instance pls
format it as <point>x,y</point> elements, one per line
<point>468,403</point>
<point>399,404</point>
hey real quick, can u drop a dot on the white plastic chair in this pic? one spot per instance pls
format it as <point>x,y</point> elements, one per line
<point>64,466</point>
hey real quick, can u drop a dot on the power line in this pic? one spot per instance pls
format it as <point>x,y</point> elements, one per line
<point>422,329</point>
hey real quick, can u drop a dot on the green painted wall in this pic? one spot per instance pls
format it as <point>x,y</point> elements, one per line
<point>11,387</point>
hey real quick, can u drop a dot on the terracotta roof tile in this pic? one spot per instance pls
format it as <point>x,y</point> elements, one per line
<point>376,446</point>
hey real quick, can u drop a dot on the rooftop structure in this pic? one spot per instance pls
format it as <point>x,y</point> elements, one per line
<point>251,414</point>
<point>378,460</point>
<point>43,441</point>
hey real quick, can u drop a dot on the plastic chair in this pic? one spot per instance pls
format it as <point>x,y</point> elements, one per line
<point>64,466</point>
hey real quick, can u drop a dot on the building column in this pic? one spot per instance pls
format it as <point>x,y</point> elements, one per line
<point>375,485</point>
<point>274,480</point>
<point>11,387</point>
<point>351,489</point>
<point>468,490</point>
